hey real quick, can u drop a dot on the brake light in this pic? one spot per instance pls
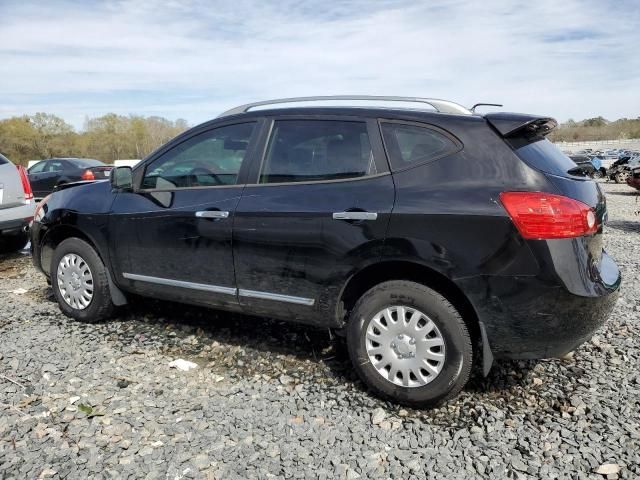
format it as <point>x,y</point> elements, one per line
<point>88,175</point>
<point>541,216</point>
<point>26,185</point>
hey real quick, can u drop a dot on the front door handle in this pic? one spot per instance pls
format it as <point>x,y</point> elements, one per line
<point>355,215</point>
<point>212,214</point>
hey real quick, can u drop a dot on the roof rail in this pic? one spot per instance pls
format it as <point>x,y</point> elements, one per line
<point>441,106</point>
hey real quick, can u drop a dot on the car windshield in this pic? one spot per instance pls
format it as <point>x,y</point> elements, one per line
<point>86,162</point>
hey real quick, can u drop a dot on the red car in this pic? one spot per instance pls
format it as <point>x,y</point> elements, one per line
<point>633,180</point>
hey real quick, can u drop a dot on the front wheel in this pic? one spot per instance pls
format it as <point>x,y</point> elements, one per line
<point>409,344</point>
<point>80,282</point>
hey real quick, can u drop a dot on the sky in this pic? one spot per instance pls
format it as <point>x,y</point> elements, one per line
<point>193,59</point>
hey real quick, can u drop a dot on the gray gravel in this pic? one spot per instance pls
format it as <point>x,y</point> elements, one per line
<point>273,400</point>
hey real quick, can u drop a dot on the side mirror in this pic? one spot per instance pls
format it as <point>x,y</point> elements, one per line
<point>122,178</point>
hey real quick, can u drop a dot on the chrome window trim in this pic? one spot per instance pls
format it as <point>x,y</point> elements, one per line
<point>277,297</point>
<point>313,182</point>
<point>180,283</point>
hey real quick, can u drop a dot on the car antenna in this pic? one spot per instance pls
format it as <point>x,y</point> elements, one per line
<point>473,109</point>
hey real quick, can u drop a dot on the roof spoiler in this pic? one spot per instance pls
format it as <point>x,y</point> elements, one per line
<point>514,124</point>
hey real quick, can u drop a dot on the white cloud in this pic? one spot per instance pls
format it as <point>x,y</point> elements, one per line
<point>193,59</point>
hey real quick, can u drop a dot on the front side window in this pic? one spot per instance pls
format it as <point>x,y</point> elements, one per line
<point>316,150</point>
<point>38,167</point>
<point>409,145</point>
<point>209,159</point>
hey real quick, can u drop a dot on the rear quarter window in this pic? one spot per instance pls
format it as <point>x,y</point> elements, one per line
<point>546,157</point>
<point>409,145</point>
<point>3,160</point>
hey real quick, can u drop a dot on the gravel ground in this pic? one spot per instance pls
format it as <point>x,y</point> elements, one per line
<point>273,400</point>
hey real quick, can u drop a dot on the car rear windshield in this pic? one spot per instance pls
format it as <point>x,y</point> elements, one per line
<point>87,162</point>
<point>546,157</point>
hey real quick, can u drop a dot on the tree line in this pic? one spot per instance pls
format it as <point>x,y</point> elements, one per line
<point>107,138</point>
<point>597,128</point>
<point>112,137</point>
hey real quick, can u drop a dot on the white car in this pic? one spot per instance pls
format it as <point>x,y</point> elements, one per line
<point>16,206</point>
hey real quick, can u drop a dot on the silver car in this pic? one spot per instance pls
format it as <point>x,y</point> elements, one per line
<point>16,206</point>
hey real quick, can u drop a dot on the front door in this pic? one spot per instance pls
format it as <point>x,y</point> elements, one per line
<point>173,237</point>
<point>318,211</point>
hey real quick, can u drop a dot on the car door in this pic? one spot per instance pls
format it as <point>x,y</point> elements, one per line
<point>36,179</point>
<point>53,171</point>
<point>317,211</point>
<point>172,237</point>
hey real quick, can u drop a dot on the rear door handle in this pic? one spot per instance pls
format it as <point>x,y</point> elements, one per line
<point>212,214</point>
<point>355,215</point>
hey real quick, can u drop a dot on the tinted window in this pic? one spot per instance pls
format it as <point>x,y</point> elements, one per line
<point>311,150</point>
<point>86,162</point>
<point>3,160</point>
<point>545,156</point>
<point>409,145</point>
<point>209,159</point>
<point>38,167</point>
<point>54,166</point>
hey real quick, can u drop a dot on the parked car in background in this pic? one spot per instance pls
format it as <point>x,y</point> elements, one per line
<point>16,206</point>
<point>431,240</point>
<point>633,180</point>
<point>584,164</point>
<point>48,174</point>
<point>620,170</point>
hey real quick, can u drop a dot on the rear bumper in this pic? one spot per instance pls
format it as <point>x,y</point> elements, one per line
<point>16,219</point>
<point>531,317</point>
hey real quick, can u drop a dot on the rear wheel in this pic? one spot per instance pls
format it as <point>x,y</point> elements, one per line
<point>621,177</point>
<point>79,281</point>
<point>409,344</point>
<point>13,242</point>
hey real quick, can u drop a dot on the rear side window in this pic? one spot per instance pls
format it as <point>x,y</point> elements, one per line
<point>316,150</point>
<point>55,166</point>
<point>546,157</point>
<point>3,159</point>
<point>410,145</point>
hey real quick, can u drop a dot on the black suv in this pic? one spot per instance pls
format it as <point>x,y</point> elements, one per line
<point>432,240</point>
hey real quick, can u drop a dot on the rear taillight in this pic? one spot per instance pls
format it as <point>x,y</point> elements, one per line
<point>26,186</point>
<point>88,175</point>
<point>541,216</point>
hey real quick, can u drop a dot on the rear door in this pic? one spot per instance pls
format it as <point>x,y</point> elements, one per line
<point>317,211</point>
<point>172,238</point>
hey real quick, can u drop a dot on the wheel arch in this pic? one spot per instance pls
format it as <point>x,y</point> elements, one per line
<point>383,271</point>
<point>56,235</point>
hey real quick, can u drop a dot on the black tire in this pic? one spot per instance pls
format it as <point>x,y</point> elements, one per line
<point>458,347</point>
<point>620,177</point>
<point>100,307</point>
<point>13,242</point>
